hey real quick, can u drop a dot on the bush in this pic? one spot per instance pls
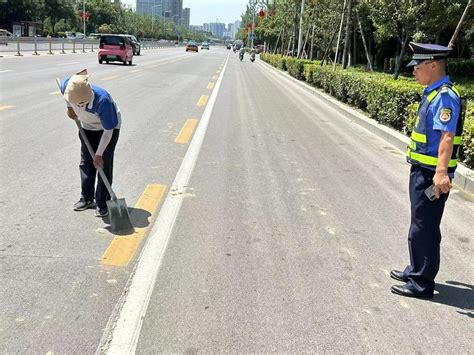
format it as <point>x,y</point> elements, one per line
<point>391,102</point>
<point>461,68</point>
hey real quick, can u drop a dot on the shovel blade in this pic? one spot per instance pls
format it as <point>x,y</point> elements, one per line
<point>120,222</point>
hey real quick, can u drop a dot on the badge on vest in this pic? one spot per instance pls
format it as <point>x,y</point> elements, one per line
<point>445,115</point>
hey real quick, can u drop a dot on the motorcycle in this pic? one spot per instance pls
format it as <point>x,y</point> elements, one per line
<point>252,57</point>
<point>241,56</point>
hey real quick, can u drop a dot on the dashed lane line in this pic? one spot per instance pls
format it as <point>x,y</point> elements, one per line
<point>123,247</point>
<point>203,100</point>
<point>187,131</point>
<point>5,107</point>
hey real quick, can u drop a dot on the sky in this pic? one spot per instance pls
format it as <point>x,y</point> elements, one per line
<point>227,11</point>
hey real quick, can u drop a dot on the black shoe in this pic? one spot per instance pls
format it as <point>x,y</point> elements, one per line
<point>82,205</point>
<point>407,292</point>
<point>101,212</point>
<point>398,275</point>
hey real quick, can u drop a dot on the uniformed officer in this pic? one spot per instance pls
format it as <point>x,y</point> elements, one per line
<point>432,154</point>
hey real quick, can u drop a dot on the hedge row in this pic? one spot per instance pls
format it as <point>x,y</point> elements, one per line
<point>391,102</point>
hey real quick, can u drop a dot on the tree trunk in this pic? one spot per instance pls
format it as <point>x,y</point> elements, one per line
<point>347,39</point>
<point>458,27</point>
<point>369,62</point>
<point>339,35</point>
<point>398,62</point>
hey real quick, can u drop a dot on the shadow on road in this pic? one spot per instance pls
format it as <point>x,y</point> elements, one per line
<point>460,297</point>
<point>138,217</point>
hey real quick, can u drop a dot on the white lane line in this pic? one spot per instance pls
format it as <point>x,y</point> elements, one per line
<point>5,71</point>
<point>68,63</point>
<point>124,326</point>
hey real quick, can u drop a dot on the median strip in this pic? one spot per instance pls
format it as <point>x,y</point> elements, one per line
<point>187,131</point>
<point>123,247</point>
<point>203,100</point>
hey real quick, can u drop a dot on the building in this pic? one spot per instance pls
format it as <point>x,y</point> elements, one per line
<point>196,28</point>
<point>186,16</point>
<point>206,27</point>
<point>237,25</point>
<point>231,31</point>
<point>217,29</point>
<point>150,7</point>
<point>169,10</point>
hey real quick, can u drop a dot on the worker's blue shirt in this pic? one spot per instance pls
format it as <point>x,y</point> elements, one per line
<point>100,113</point>
<point>435,126</point>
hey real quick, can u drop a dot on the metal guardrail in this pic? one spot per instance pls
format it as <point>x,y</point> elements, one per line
<point>34,45</point>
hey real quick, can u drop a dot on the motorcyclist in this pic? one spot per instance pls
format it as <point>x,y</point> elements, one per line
<point>241,52</point>
<point>252,54</point>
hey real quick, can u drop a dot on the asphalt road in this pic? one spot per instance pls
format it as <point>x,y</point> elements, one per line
<point>279,239</point>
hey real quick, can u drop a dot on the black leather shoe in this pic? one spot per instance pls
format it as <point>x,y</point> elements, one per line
<point>398,275</point>
<point>404,291</point>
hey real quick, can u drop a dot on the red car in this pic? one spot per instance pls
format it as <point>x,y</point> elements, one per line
<point>115,48</point>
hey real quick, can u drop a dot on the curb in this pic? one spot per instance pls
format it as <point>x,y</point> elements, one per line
<point>463,177</point>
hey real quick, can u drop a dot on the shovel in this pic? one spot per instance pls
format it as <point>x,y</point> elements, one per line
<point>119,218</point>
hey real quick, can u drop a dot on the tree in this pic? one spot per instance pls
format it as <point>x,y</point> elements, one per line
<point>56,10</point>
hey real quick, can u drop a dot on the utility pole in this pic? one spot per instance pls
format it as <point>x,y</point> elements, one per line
<point>300,35</point>
<point>253,21</point>
<point>84,16</point>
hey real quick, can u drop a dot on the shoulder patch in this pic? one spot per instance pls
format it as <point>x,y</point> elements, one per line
<point>445,115</point>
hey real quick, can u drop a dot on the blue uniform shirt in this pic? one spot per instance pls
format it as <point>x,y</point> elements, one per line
<point>443,101</point>
<point>102,106</point>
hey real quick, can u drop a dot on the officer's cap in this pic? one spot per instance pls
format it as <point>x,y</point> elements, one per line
<point>423,51</point>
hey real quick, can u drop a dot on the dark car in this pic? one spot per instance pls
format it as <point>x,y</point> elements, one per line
<point>135,44</point>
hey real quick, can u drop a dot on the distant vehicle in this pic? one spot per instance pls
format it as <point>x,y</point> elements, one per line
<point>205,45</point>
<point>136,46</point>
<point>4,34</point>
<point>94,35</point>
<point>116,48</point>
<point>74,35</point>
<point>259,48</point>
<point>192,46</point>
<point>238,44</point>
<point>229,46</point>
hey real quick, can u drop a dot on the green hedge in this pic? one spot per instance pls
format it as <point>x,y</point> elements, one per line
<point>391,102</point>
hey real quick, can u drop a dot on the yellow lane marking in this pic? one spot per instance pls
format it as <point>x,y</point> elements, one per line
<point>111,77</point>
<point>203,100</point>
<point>5,107</point>
<point>152,66</point>
<point>187,131</point>
<point>136,70</point>
<point>214,77</point>
<point>57,92</point>
<point>218,71</point>
<point>210,85</point>
<point>123,247</point>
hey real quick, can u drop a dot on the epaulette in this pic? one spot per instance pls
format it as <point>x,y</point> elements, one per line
<point>444,89</point>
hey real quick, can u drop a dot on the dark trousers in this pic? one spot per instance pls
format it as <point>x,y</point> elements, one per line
<point>89,172</point>
<point>424,236</point>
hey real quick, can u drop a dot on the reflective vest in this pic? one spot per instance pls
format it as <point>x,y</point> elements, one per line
<point>417,152</point>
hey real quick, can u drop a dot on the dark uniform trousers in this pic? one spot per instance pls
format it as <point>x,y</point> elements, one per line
<point>89,172</point>
<point>424,236</point>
